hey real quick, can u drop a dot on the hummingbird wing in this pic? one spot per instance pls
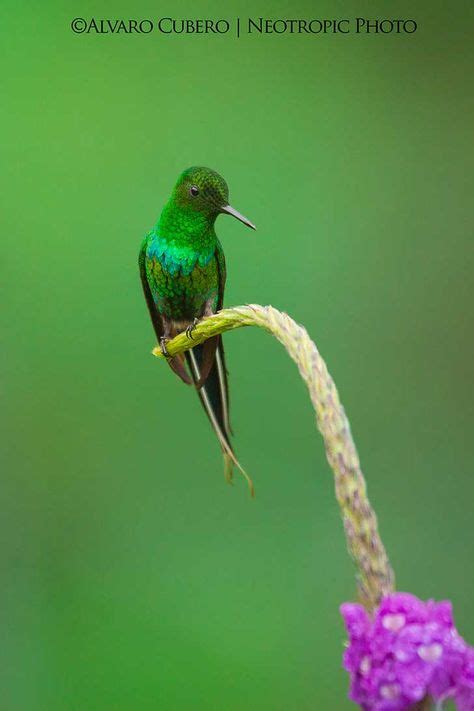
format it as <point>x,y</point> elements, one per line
<point>214,393</point>
<point>222,274</point>
<point>155,315</point>
<point>208,369</point>
<point>176,363</point>
<point>221,397</point>
<point>214,397</point>
<point>207,353</point>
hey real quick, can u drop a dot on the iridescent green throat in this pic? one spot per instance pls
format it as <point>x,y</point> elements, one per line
<point>182,238</point>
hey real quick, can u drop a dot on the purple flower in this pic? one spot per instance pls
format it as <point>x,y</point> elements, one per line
<point>464,695</point>
<point>408,650</point>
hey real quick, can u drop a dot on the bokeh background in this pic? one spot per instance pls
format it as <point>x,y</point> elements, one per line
<point>133,576</point>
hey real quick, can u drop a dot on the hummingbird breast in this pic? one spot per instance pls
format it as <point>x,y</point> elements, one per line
<point>182,297</point>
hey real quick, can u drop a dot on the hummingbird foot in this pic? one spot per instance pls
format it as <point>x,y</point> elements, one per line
<point>163,348</point>
<point>190,329</point>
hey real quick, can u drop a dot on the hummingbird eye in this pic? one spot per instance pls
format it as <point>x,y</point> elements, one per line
<point>194,190</point>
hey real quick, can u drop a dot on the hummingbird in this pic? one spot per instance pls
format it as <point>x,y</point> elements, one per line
<point>183,275</point>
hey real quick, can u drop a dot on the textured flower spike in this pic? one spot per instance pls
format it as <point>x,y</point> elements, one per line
<point>409,650</point>
<point>375,575</point>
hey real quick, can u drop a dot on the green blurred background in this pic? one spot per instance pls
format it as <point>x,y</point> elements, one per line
<point>133,576</point>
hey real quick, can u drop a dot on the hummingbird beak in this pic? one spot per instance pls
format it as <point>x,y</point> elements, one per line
<point>230,211</point>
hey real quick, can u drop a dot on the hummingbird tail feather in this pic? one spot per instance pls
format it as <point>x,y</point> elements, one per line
<point>214,397</point>
<point>207,357</point>
<point>177,365</point>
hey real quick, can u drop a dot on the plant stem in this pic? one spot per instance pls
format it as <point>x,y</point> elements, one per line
<point>375,576</point>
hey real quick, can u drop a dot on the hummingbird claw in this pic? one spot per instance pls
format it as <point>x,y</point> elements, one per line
<point>190,329</point>
<point>163,347</point>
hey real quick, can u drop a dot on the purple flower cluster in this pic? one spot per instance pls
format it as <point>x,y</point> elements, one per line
<point>409,649</point>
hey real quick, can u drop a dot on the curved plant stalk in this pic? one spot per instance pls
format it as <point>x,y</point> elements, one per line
<point>375,576</point>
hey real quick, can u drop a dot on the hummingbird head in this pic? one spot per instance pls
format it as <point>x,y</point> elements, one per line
<point>205,191</point>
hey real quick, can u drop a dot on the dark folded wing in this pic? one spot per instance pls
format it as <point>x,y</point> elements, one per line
<point>156,319</point>
<point>221,271</point>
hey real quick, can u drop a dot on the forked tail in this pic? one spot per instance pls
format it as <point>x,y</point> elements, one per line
<point>214,396</point>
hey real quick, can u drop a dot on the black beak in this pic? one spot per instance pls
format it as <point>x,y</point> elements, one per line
<point>230,211</point>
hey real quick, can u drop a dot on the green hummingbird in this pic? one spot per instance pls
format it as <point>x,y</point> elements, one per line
<point>183,274</point>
